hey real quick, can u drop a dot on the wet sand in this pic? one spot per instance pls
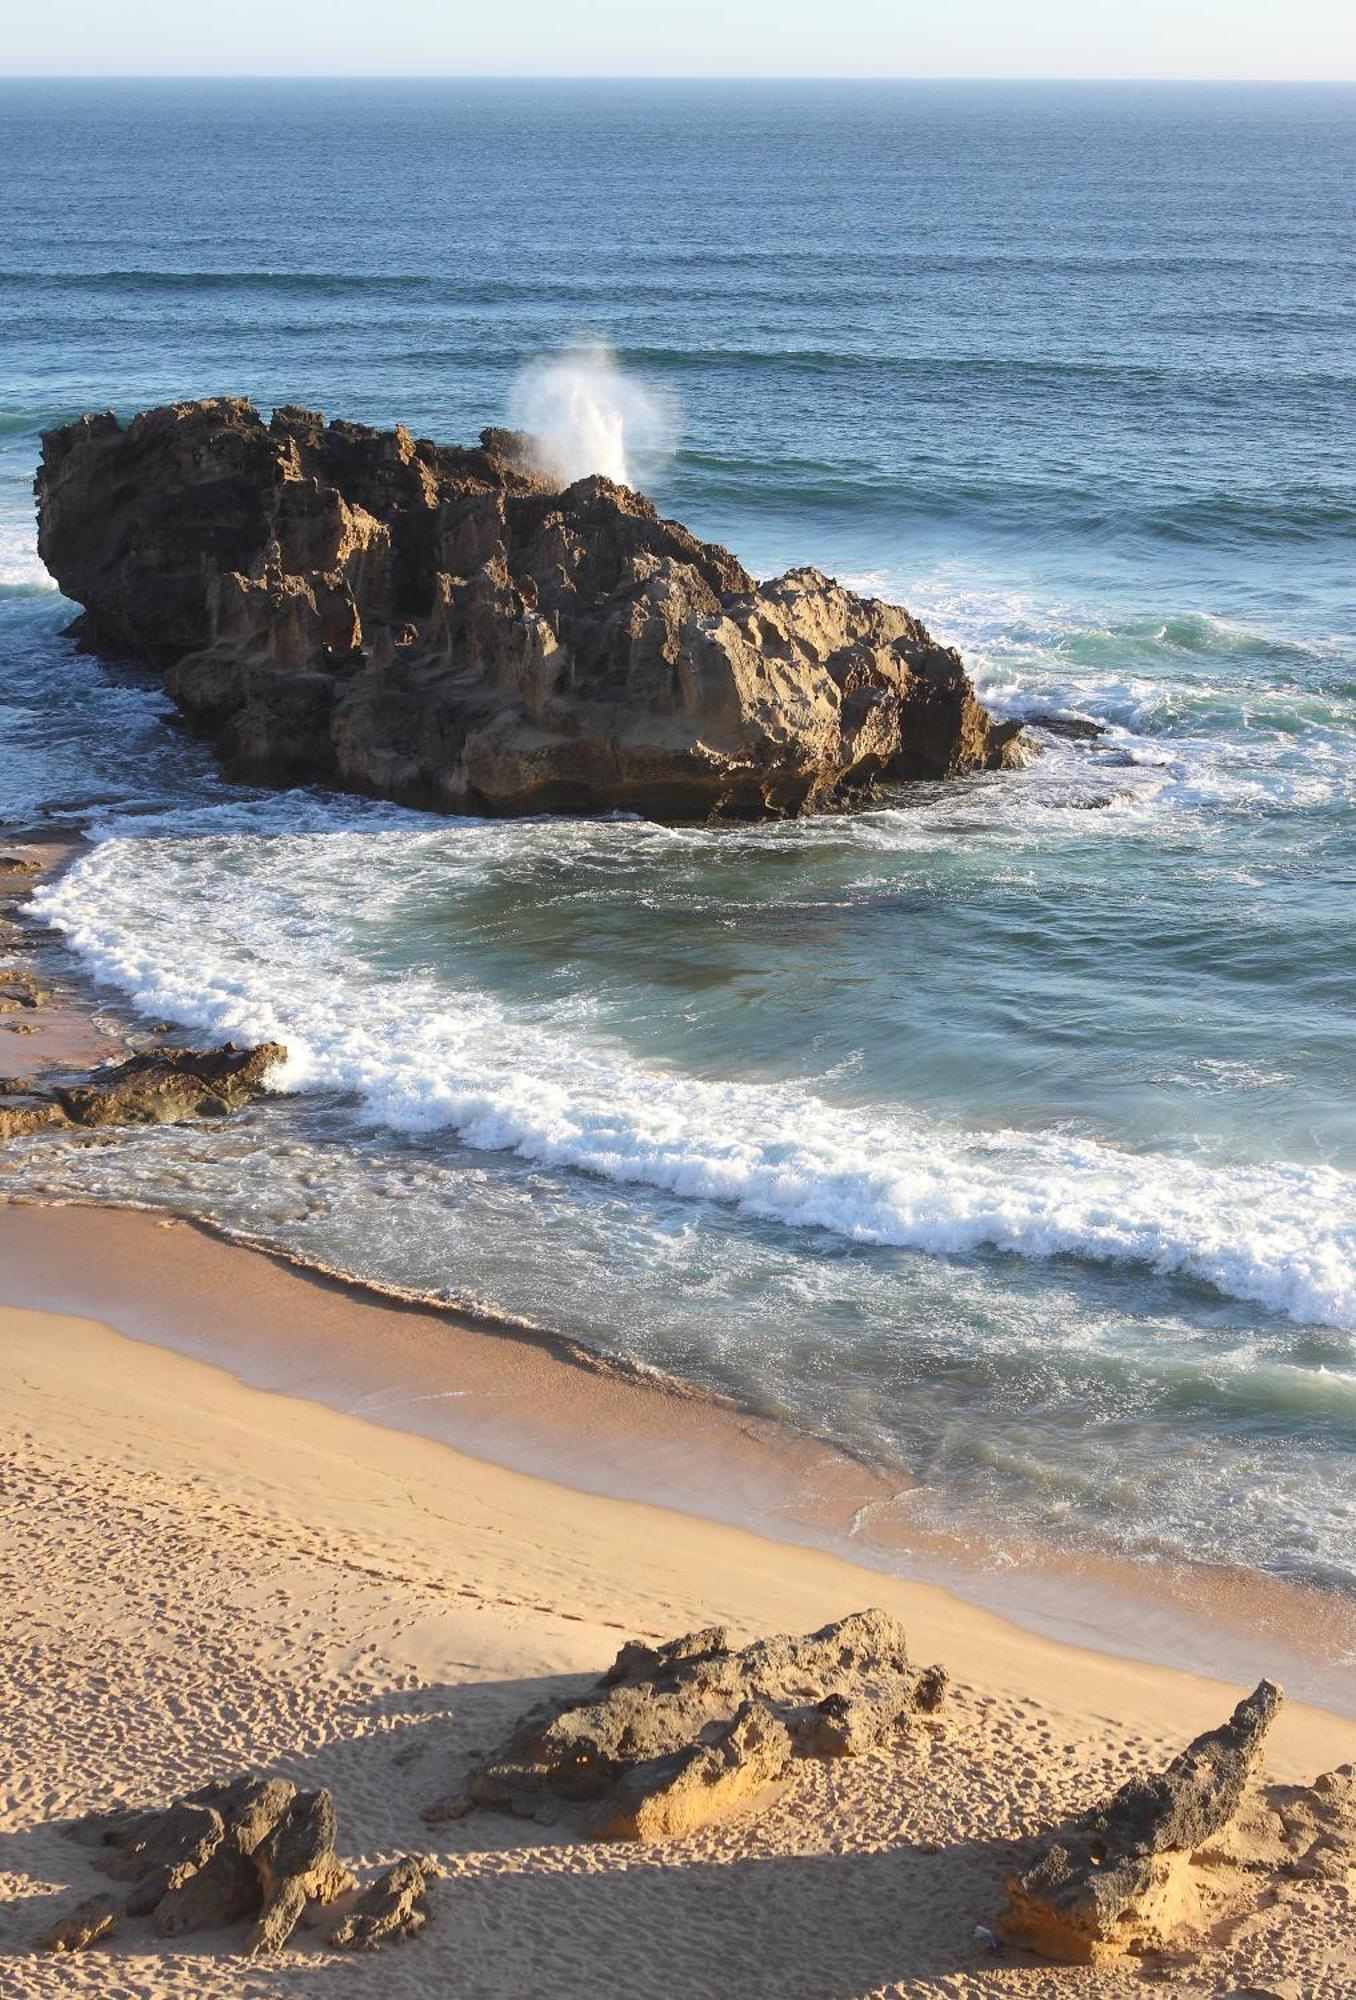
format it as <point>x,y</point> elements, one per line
<point>538,1404</point>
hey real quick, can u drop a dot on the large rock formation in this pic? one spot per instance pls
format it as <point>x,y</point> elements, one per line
<point>441,626</point>
<point>676,1735</point>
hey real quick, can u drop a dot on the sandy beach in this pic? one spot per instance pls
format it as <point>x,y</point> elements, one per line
<point>202,1576</point>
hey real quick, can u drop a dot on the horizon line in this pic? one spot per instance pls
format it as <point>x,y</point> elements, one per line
<point>629,76</point>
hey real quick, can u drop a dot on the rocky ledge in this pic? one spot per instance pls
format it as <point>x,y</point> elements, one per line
<point>162,1086</point>
<point>444,627</point>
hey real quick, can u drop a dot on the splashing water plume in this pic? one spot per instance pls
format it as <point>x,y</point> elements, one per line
<point>586,415</point>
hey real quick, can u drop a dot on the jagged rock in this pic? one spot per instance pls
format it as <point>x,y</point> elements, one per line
<point>225,1889</point>
<point>20,992</point>
<point>163,1847</point>
<point>97,1917</point>
<point>250,1807</point>
<point>157,1087</point>
<point>19,864</point>
<point>296,1865</point>
<point>164,1086</point>
<point>1078,728</point>
<point>29,1114</point>
<point>244,1847</point>
<point>441,626</point>
<point>278,1918</point>
<point>676,1734</point>
<point>1110,1881</point>
<point>393,1907</point>
<point>168,1853</point>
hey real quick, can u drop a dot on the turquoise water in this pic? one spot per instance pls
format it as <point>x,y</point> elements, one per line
<point>1003,1133</point>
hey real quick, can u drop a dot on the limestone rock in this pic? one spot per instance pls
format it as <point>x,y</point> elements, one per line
<point>221,1892</point>
<point>164,1086</point>
<point>1110,1881</point>
<point>20,992</point>
<point>393,1907</point>
<point>677,1734</point>
<point>244,1847</point>
<point>441,626</point>
<point>249,1806</point>
<point>97,1917</point>
<point>22,1116</point>
<point>668,1796</point>
<point>296,1864</point>
<point>162,1848</point>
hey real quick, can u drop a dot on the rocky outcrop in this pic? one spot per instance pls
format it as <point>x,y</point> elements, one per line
<point>158,1087</point>
<point>252,1848</point>
<point>1112,1881</point>
<point>167,1086</point>
<point>443,627</point>
<point>676,1735</point>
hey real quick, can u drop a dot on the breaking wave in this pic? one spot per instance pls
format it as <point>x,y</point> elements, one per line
<point>254,938</point>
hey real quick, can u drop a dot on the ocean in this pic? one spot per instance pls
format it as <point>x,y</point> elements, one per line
<point>1002,1133</point>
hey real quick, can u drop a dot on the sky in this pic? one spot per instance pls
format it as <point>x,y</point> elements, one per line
<point>1265,39</point>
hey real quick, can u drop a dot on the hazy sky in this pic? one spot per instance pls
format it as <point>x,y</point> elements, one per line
<point>1109,38</point>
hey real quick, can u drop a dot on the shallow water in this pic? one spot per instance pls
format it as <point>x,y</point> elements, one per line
<point>1004,1132</point>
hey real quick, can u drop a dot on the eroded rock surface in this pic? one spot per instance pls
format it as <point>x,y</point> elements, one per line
<point>164,1086</point>
<point>158,1087</point>
<point>297,1865</point>
<point>1113,1880</point>
<point>249,1847</point>
<point>441,626</point>
<point>97,1917</point>
<point>392,1907</point>
<point>675,1735</point>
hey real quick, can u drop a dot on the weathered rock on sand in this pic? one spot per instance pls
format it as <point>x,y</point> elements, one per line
<point>97,1917</point>
<point>676,1735</point>
<point>1112,1881</point>
<point>158,1087</point>
<point>251,1847</point>
<point>441,626</point>
<point>392,1907</point>
<point>297,1865</point>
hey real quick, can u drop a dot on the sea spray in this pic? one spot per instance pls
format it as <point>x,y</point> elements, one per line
<point>586,414</point>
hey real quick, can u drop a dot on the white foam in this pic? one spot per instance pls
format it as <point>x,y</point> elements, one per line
<point>264,939</point>
<point>21,567</point>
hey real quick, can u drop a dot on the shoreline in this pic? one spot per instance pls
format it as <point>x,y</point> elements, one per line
<point>530,1399</point>
<point>203,1576</point>
<point>537,1404</point>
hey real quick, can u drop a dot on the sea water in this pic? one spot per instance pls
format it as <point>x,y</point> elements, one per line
<point>1001,1132</point>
